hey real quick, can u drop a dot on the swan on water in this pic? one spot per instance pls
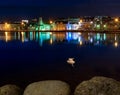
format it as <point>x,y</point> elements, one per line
<point>71,61</point>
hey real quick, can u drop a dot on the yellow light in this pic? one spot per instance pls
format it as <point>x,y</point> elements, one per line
<point>50,33</point>
<point>6,33</point>
<point>22,23</point>
<point>22,33</point>
<point>81,20</point>
<point>22,36</point>
<point>6,23</point>
<point>116,44</point>
<point>51,21</point>
<point>6,36</point>
<point>116,20</point>
<point>81,42</point>
<point>51,41</point>
<point>7,26</point>
<point>104,26</point>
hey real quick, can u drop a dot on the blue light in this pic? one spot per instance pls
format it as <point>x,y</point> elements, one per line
<point>91,40</point>
<point>79,38</point>
<point>75,36</point>
<point>68,26</point>
<point>68,36</point>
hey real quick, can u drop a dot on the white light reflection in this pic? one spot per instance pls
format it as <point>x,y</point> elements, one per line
<point>79,33</point>
<point>50,33</point>
<point>81,43</point>
<point>104,36</point>
<point>75,36</point>
<point>91,40</point>
<point>6,36</point>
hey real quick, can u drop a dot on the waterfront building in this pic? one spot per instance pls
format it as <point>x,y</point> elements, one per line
<point>98,23</point>
<point>42,26</point>
<point>52,26</point>
<point>32,24</point>
<point>72,26</point>
<point>86,23</point>
<point>60,25</point>
<point>10,27</point>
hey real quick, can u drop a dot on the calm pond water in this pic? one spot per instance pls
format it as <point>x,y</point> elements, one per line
<point>26,57</point>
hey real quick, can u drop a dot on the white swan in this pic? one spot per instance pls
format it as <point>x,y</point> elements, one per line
<point>71,61</point>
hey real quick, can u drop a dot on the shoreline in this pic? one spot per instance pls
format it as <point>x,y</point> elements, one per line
<point>82,31</point>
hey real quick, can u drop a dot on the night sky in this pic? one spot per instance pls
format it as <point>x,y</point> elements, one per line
<point>58,8</point>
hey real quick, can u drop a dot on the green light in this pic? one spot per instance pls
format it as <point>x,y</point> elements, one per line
<point>31,36</point>
<point>47,27</point>
<point>37,36</point>
<point>98,36</point>
<point>36,29</point>
<point>104,36</point>
<point>98,26</point>
<point>105,26</point>
<point>43,37</point>
<point>42,28</point>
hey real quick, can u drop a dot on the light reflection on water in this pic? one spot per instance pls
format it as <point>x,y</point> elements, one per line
<point>69,37</point>
<point>50,61</point>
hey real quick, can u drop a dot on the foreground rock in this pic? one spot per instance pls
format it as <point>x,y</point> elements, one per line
<point>10,90</point>
<point>98,86</point>
<point>50,87</point>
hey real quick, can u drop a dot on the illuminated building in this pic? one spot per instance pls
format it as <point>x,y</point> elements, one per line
<point>85,23</point>
<point>41,26</point>
<point>68,26</point>
<point>60,25</point>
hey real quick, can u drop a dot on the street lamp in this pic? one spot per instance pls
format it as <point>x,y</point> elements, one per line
<point>81,20</point>
<point>51,21</point>
<point>105,26</point>
<point>116,19</point>
<point>22,25</point>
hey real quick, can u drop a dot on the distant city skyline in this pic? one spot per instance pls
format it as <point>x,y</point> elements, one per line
<point>61,8</point>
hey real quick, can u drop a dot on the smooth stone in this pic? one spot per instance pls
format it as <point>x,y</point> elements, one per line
<point>98,86</point>
<point>49,87</point>
<point>10,90</point>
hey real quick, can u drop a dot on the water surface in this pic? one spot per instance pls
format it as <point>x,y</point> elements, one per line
<point>26,57</point>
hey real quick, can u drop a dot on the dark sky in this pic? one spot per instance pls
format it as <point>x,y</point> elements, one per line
<point>59,8</point>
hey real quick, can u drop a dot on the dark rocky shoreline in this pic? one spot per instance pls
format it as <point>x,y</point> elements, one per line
<point>96,86</point>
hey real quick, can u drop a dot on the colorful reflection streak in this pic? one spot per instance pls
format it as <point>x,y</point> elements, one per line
<point>81,39</point>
